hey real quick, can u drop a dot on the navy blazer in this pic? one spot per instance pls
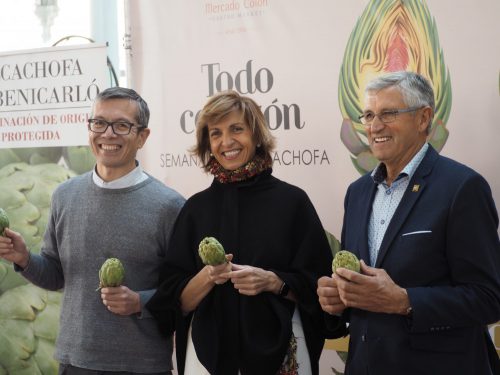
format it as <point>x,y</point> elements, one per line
<point>442,245</point>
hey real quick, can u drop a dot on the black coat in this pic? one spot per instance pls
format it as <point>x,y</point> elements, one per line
<point>265,223</point>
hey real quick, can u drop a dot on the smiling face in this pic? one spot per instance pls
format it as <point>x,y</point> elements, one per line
<point>397,142</point>
<point>231,141</point>
<point>115,154</point>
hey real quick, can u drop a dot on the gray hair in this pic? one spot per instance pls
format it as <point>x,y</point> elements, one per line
<point>415,89</point>
<point>142,116</point>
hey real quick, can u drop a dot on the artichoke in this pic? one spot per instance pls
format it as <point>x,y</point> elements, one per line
<point>4,221</point>
<point>28,315</point>
<point>345,259</point>
<point>389,36</point>
<point>79,158</point>
<point>111,273</point>
<point>25,195</point>
<point>211,251</point>
<point>28,329</point>
<point>40,155</point>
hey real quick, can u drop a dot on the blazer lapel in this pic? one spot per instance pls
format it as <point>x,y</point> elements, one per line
<point>412,194</point>
<point>365,209</point>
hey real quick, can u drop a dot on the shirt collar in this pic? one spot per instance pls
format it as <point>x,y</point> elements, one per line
<point>132,178</point>
<point>379,174</point>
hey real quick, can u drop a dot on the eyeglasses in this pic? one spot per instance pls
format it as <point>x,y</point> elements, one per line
<point>385,117</point>
<point>119,127</point>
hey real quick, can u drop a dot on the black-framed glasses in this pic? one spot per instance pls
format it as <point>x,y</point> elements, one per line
<point>385,117</point>
<point>119,127</point>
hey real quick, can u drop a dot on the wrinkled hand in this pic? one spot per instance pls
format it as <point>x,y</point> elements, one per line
<point>13,248</point>
<point>251,281</point>
<point>218,274</point>
<point>329,297</point>
<point>121,300</point>
<point>372,290</point>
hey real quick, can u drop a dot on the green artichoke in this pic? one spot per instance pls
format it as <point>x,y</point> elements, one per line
<point>4,221</point>
<point>211,251</point>
<point>25,195</point>
<point>390,36</point>
<point>39,155</point>
<point>29,316</point>
<point>79,158</point>
<point>111,273</point>
<point>29,323</point>
<point>345,259</point>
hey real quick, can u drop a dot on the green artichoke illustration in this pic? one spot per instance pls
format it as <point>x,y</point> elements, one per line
<point>333,242</point>
<point>211,251</point>
<point>40,155</point>
<point>345,259</point>
<point>29,323</point>
<point>29,316</point>
<point>111,273</point>
<point>4,221</point>
<point>389,36</point>
<point>25,195</point>
<point>79,159</point>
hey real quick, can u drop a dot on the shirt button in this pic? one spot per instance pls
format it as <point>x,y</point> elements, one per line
<point>388,192</point>
<point>382,221</point>
<point>363,338</point>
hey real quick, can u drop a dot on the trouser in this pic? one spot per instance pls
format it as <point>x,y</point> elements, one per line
<point>72,370</point>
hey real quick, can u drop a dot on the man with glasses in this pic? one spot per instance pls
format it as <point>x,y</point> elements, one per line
<point>425,229</point>
<point>114,211</point>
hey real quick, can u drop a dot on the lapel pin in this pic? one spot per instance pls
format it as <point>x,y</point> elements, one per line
<point>415,188</point>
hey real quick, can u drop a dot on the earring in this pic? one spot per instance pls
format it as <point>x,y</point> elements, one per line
<point>258,144</point>
<point>211,154</point>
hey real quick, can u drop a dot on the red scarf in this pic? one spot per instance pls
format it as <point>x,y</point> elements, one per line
<point>255,166</point>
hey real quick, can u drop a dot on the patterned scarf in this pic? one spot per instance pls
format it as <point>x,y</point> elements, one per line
<point>255,166</point>
<point>290,365</point>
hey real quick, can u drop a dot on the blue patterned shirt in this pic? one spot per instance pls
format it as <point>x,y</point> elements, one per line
<point>387,199</point>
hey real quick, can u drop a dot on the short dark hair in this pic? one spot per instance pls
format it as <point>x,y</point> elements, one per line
<point>117,92</point>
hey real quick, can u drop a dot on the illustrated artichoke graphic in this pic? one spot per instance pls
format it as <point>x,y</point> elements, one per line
<point>111,273</point>
<point>77,158</point>
<point>389,36</point>
<point>29,316</point>
<point>25,195</point>
<point>211,251</point>
<point>29,321</point>
<point>40,155</point>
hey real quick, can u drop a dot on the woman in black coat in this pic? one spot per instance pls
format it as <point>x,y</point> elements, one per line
<point>258,313</point>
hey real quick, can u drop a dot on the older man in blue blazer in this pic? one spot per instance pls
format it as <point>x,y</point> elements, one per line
<point>426,230</point>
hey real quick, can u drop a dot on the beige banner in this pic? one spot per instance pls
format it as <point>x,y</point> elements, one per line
<point>46,94</point>
<point>306,63</point>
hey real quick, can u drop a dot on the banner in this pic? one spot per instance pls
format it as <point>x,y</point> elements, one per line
<point>306,64</point>
<point>45,99</point>
<point>46,94</point>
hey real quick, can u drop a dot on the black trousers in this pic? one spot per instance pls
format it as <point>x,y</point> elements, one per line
<point>72,370</point>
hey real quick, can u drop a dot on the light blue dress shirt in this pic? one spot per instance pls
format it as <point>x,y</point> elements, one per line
<point>387,199</point>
